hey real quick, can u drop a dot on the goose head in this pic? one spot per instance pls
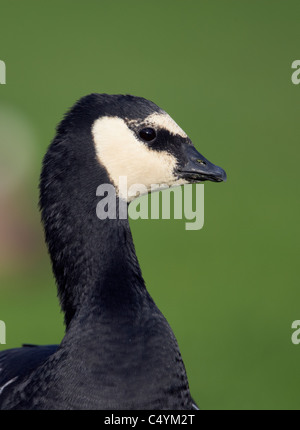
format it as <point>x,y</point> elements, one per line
<point>132,138</point>
<point>140,142</point>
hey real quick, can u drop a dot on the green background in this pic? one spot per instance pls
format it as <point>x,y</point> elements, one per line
<point>222,69</point>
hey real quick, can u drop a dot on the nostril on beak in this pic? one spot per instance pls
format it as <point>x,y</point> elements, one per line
<point>201,162</point>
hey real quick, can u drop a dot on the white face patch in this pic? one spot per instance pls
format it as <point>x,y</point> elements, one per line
<point>163,120</point>
<point>123,154</point>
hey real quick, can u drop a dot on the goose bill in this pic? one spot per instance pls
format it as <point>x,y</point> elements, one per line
<point>198,169</point>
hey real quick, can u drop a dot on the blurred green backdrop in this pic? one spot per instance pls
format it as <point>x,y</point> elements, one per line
<point>222,69</point>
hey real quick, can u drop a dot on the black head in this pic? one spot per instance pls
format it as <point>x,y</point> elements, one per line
<point>134,138</point>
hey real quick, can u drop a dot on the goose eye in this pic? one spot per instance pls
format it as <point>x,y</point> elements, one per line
<point>148,134</point>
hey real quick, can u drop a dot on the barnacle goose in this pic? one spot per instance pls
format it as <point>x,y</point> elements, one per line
<point>118,351</point>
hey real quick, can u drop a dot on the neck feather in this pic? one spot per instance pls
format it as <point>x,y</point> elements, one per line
<point>93,260</point>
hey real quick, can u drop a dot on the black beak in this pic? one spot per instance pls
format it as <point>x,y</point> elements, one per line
<point>197,168</point>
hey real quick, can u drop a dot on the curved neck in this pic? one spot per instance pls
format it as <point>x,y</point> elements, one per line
<point>94,260</point>
<point>101,272</point>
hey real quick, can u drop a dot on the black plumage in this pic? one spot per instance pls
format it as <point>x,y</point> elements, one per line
<point>118,351</point>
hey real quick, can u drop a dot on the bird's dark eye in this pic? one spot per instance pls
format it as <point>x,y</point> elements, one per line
<point>148,134</point>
